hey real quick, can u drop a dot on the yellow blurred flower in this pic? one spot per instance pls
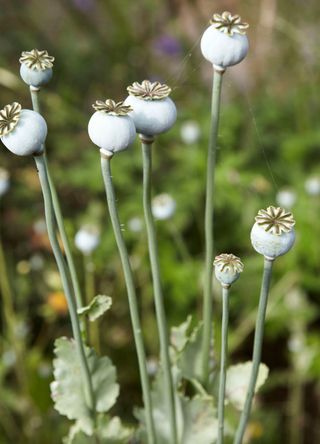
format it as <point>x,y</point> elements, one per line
<point>253,431</point>
<point>57,302</point>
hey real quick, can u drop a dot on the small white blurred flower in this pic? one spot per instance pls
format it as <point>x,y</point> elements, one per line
<point>23,267</point>
<point>40,226</point>
<point>190,132</point>
<point>312,186</point>
<point>21,330</point>
<point>4,181</point>
<point>295,344</point>
<point>152,366</point>
<point>135,224</point>
<point>163,206</point>
<point>87,239</point>
<point>36,262</point>
<point>52,279</point>
<point>44,370</point>
<point>286,198</point>
<point>9,358</point>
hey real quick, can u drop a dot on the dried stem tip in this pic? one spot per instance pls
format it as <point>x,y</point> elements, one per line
<point>37,60</point>
<point>112,108</point>
<point>229,24</point>
<point>228,262</point>
<point>149,91</point>
<point>275,220</point>
<point>9,117</point>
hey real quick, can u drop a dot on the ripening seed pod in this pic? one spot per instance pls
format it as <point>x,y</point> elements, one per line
<point>273,234</point>
<point>224,43</point>
<point>36,67</point>
<point>153,110</point>
<point>22,131</point>
<point>227,269</point>
<point>110,127</point>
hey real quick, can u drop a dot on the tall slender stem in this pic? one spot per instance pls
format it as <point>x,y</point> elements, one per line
<point>257,348</point>
<point>223,362</point>
<point>157,288</point>
<point>49,214</point>
<point>132,297</point>
<point>64,238</point>
<point>59,218</point>
<point>211,161</point>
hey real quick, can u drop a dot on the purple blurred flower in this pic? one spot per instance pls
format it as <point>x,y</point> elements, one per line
<point>84,5</point>
<point>167,45</point>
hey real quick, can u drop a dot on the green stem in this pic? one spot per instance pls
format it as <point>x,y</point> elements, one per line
<point>59,218</point>
<point>64,237</point>
<point>211,161</point>
<point>132,297</point>
<point>223,362</point>
<point>49,214</point>
<point>34,98</point>
<point>157,288</point>
<point>257,349</point>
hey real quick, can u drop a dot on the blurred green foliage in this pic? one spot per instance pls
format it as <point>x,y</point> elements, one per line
<point>269,140</point>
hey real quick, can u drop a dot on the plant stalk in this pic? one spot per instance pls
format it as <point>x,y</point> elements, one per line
<point>157,287</point>
<point>209,210</point>
<point>223,362</point>
<point>132,297</point>
<point>257,349</point>
<point>59,218</point>
<point>50,220</point>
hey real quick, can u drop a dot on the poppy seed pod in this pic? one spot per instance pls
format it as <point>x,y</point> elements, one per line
<point>225,42</point>
<point>273,234</point>
<point>22,131</point>
<point>110,127</point>
<point>153,111</point>
<point>36,67</point>
<point>227,269</point>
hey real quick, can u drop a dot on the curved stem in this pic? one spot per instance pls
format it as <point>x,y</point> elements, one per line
<point>257,348</point>
<point>59,218</point>
<point>132,297</point>
<point>223,362</point>
<point>157,289</point>
<point>49,214</point>
<point>211,160</point>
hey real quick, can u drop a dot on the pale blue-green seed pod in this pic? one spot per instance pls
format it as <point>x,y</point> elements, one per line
<point>224,43</point>
<point>36,67</point>
<point>110,127</point>
<point>22,131</point>
<point>153,112</point>
<point>227,268</point>
<point>273,234</point>
<point>35,77</point>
